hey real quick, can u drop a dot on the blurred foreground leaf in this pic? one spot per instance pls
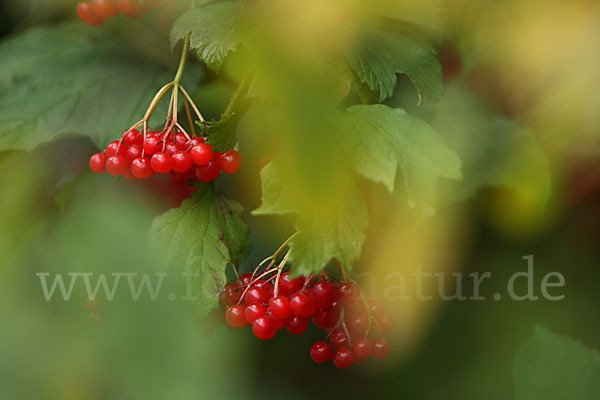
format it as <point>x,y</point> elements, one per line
<point>554,367</point>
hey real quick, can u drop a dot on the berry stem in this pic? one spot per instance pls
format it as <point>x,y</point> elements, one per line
<point>280,269</point>
<point>191,102</point>
<point>184,54</point>
<point>241,91</point>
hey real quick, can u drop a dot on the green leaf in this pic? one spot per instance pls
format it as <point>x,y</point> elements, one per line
<point>379,53</point>
<point>378,139</point>
<point>554,367</point>
<point>334,231</point>
<point>73,80</point>
<point>201,237</point>
<point>215,31</point>
<point>222,134</point>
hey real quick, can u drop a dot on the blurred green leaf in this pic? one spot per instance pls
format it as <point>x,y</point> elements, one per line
<point>379,53</point>
<point>334,231</point>
<point>72,80</point>
<point>201,237</point>
<point>215,31</point>
<point>378,139</point>
<point>555,367</point>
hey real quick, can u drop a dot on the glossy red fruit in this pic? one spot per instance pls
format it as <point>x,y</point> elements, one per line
<point>98,163</point>
<point>343,358</point>
<point>86,13</point>
<point>201,154</point>
<point>321,352</point>
<point>230,162</point>
<point>133,152</point>
<point>235,316</point>
<point>322,294</point>
<point>151,145</point>
<point>141,168</point>
<point>277,323</point>
<point>229,296</point>
<point>362,349</point>
<point>181,142</point>
<point>116,165</point>
<point>326,318</point>
<point>289,286</point>
<point>114,147</point>
<point>208,173</point>
<point>253,312</point>
<point>376,308</point>
<point>245,279</point>
<point>339,339</point>
<point>255,295</point>
<point>381,348</point>
<point>196,140</point>
<point>303,305</point>
<point>280,307</point>
<point>349,292</point>
<point>132,137</point>
<point>296,325</point>
<point>357,325</point>
<point>105,8</point>
<point>161,163</point>
<point>182,161</point>
<point>263,328</point>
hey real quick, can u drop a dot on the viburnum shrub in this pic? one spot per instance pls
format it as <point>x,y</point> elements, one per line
<point>270,300</point>
<point>313,88</point>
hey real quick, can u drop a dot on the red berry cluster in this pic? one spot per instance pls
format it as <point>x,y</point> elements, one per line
<point>95,12</point>
<point>340,310</point>
<point>183,156</point>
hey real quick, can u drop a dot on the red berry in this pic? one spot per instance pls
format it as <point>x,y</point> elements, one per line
<point>86,13</point>
<point>161,163</point>
<point>133,152</point>
<point>98,163</point>
<point>245,279</point>
<point>230,162</point>
<point>349,293</point>
<point>141,168</point>
<point>116,147</point>
<point>327,318</point>
<point>303,305</point>
<point>376,308</point>
<point>263,328</point>
<point>235,316</point>
<point>116,165</point>
<point>151,145</point>
<point>343,358</point>
<point>280,307</point>
<point>322,294</point>
<point>381,348</point>
<point>255,295</point>
<point>362,350</point>
<point>201,154</point>
<point>321,352</point>
<point>197,140</point>
<point>182,142</point>
<point>229,296</point>
<point>132,137</point>
<point>357,324</point>
<point>253,312</point>
<point>339,339</point>
<point>277,323</point>
<point>105,8</point>
<point>182,161</point>
<point>171,148</point>
<point>208,173</point>
<point>289,286</point>
<point>296,325</point>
